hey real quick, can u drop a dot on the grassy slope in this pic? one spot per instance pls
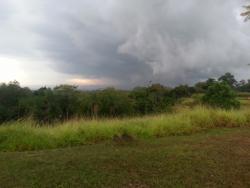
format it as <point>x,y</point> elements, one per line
<point>216,158</point>
<point>23,136</point>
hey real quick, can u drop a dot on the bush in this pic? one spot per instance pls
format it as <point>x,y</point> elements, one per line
<point>112,103</point>
<point>220,94</point>
<point>153,99</point>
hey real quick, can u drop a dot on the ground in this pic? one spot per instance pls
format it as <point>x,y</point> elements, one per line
<point>215,158</point>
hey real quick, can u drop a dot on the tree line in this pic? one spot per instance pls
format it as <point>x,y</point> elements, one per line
<point>47,105</point>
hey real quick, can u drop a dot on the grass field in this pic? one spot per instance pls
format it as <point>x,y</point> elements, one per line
<point>25,135</point>
<point>215,158</point>
<point>190,147</point>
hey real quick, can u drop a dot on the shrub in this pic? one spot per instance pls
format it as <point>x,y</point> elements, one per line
<point>220,94</point>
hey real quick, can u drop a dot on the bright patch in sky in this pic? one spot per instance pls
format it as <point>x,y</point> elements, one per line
<point>80,81</point>
<point>90,82</point>
<point>29,73</point>
<point>38,74</point>
<point>10,70</point>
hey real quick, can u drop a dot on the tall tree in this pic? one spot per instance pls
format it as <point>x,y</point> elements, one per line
<point>68,100</point>
<point>11,96</point>
<point>229,79</point>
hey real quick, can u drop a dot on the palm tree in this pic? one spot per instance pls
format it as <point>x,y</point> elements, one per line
<point>247,13</point>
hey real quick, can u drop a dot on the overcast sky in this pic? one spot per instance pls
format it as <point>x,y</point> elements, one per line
<point>122,43</point>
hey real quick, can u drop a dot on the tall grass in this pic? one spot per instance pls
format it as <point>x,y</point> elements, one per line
<point>25,135</point>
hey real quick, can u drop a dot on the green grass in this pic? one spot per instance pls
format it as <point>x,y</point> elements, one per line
<point>243,94</point>
<point>25,135</point>
<point>214,158</point>
<point>244,102</point>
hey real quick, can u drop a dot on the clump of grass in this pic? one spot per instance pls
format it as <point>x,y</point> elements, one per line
<point>25,135</point>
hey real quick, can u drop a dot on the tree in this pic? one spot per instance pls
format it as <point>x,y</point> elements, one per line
<point>11,96</point>
<point>244,86</point>
<point>201,87</point>
<point>140,97</point>
<point>112,103</point>
<point>229,79</point>
<point>246,14</point>
<point>152,99</point>
<point>45,106</point>
<point>181,91</point>
<point>220,94</point>
<point>158,98</point>
<point>67,97</point>
<point>210,82</point>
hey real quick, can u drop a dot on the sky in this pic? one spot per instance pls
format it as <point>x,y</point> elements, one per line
<point>122,43</point>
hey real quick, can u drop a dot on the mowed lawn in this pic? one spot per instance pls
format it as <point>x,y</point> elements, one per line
<point>214,158</point>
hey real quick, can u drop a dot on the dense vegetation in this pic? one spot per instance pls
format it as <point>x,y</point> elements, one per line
<point>65,102</point>
<point>221,95</point>
<point>125,146</point>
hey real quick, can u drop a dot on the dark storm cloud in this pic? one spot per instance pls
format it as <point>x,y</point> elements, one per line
<point>132,41</point>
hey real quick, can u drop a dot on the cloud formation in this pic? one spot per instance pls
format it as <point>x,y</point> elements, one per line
<point>129,42</point>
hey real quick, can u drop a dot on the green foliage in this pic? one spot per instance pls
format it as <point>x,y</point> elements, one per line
<point>113,103</point>
<point>220,94</point>
<point>67,99</point>
<point>45,107</point>
<point>154,99</point>
<point>229,79</point>
<point>202,87</point>
<point>12,97</point>
<point>159,99</point>
<point>140,97</point>
<point>64,102</point>
<point>243,86</point>
<point>182,91</point>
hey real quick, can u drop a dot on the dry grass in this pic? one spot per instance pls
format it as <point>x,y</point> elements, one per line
<point>25,135</point>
